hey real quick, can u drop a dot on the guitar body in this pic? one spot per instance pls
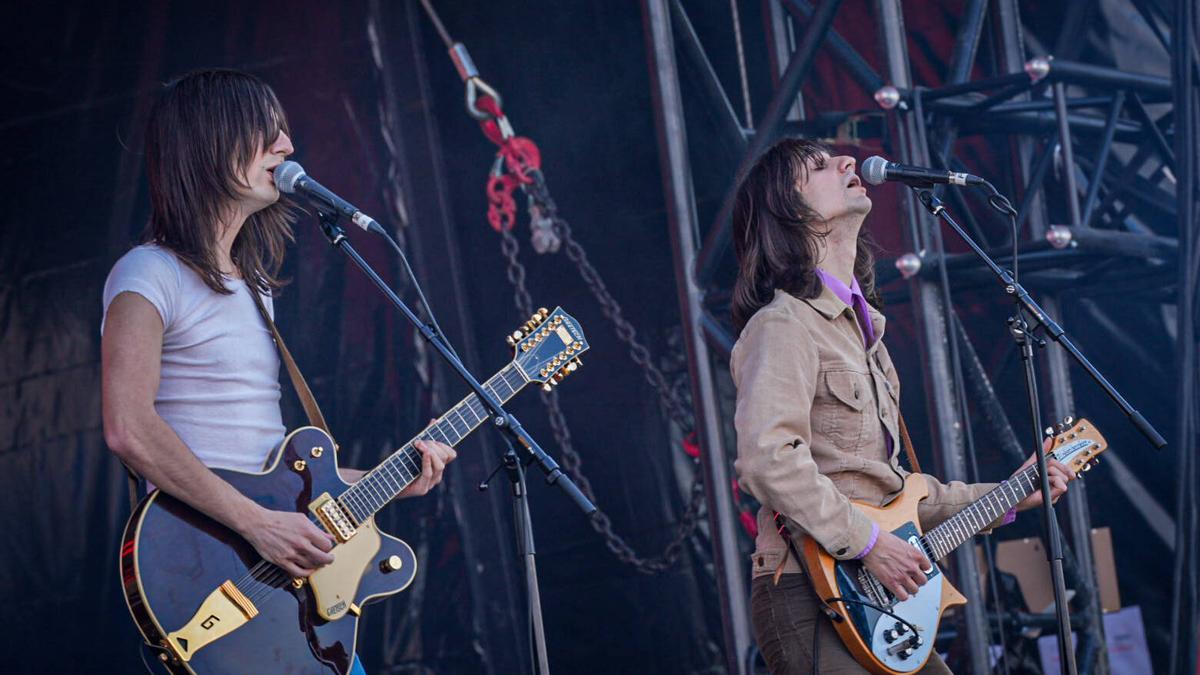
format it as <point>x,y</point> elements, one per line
<point>205,600</point>
<point>862,628</point>
<point>174,560</point>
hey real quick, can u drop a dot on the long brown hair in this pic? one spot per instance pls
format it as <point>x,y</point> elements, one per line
<point>775,232</point>
<point>202,131</point>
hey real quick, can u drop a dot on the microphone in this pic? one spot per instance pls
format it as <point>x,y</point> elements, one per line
<point>291,178</point>
<point>876,170</point>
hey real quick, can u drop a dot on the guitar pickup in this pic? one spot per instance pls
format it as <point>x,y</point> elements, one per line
<point>334,517</point>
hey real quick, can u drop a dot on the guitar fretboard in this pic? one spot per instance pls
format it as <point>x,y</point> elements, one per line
<point>383,483</point>
<point>960,527</point>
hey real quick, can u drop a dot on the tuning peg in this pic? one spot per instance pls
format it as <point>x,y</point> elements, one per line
<point>572,366</point>
<point>1068,420</point>
<point>543,312</point>
<point>1049,431</point>
<point>559,376</point>
<point>546,386</point>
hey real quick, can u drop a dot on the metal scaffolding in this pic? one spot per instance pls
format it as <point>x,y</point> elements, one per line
<point>1123,221</point>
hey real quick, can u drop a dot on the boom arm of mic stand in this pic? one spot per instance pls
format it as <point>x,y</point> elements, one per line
<point>503,420</point>
<point>1053,330</point>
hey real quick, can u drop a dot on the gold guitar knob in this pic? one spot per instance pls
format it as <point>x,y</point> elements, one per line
<point>392,563</point>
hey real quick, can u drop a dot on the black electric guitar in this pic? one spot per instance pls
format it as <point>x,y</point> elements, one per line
<point>204,599</point>
<point>899,639</point>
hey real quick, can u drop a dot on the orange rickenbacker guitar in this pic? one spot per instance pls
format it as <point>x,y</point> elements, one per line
<point>206,602</point>
<point>900,640</point>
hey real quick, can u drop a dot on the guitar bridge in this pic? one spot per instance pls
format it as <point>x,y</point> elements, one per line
<point>335,518</point>
<point>873,589</point>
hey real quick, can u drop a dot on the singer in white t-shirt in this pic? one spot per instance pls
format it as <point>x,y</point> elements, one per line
<point>190,372</point>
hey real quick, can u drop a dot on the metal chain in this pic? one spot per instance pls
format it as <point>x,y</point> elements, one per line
<point>671,401</point>
<point>679,410</point>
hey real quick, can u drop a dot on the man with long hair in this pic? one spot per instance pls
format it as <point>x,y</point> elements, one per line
<point>190,370</point>
<point>818,400</point>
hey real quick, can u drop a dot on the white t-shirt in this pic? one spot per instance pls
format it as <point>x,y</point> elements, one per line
<point>219,384</point>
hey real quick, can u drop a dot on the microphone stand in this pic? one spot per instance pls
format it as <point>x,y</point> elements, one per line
<point>1022,333</point>
<point>522,448</point>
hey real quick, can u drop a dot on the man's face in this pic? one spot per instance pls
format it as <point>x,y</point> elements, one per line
<point>259,175</point>
<point>833,189</point>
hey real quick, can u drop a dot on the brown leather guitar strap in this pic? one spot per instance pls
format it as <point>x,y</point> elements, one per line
<point>914,465</point>
<point>311,409</point>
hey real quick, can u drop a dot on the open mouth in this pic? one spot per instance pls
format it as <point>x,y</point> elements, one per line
<point>854,182</point>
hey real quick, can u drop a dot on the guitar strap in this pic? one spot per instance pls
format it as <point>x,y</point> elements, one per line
<point>311,409</point>
<point>913,464</point>
<point>781,523</point>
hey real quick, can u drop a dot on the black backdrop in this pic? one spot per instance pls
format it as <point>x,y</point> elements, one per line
<point>376,111</point>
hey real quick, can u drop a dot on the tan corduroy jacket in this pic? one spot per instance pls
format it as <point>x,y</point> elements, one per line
<point>813,412</point>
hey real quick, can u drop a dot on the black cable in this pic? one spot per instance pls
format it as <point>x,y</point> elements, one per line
<point>816,648</point>
<point>875,607</point>
<point>817,625</point>
<point>142,649</point>
<point>433,323</point>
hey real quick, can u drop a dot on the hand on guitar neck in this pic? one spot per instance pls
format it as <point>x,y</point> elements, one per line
<point>1060,475</point>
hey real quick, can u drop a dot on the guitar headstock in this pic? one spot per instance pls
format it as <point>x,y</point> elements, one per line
<point>1077,444</point>
<point>547,347</point>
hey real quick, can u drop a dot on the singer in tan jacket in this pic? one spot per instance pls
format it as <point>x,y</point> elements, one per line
<point>818,399</point>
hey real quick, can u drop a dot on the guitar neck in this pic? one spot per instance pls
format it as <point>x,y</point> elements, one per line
<point>386,481</point>
<point>959,528</point>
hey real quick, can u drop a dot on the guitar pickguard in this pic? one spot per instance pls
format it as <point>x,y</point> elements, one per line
<point>335,585</point>
<point>887,640</point>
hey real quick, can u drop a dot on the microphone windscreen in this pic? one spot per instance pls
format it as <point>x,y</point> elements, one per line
<point>874,170</point>
<point>286,175</point>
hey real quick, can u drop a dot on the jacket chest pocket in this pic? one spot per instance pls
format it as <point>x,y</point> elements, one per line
<point>841,403</point>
